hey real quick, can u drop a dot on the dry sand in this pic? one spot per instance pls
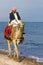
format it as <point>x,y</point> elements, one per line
<point>5,60</point>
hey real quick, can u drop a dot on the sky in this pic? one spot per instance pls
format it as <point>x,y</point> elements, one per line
<point>29,10</point>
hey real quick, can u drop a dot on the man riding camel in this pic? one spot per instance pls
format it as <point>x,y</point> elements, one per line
<point>13,33</point>
<point>14,22</point>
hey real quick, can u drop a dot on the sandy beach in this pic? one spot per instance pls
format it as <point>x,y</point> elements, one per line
<point>5,60</point>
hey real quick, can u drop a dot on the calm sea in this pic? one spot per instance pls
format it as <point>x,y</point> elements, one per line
<point>33,40</point>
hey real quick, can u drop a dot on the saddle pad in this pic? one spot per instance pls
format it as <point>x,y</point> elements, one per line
<point>7,31</point>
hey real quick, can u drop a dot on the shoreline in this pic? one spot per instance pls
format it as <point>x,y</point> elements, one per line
<point>5,60</point>
<point>5,52</point>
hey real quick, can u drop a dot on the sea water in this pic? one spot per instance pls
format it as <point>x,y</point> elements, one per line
<point>33,40</point>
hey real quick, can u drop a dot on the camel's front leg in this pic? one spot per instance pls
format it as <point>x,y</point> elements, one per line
<point>15,49</point>
<point>9,50</point>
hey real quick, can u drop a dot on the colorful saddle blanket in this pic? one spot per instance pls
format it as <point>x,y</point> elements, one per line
<point>7,31</point>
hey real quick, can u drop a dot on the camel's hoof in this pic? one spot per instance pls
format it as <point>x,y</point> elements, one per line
<point>16,59</point>
<point>19,59</point>
<point>10,56</point>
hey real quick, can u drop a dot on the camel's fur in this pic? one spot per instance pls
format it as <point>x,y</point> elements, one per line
<point>16,37</point>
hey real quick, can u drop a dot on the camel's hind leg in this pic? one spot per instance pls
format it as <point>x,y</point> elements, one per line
<point>15,49</point>
<point>9,49</point>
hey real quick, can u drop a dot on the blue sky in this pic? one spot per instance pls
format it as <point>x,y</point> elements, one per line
<point>29,10</point>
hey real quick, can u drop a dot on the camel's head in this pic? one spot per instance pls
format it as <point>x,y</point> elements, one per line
<point>21,25</point>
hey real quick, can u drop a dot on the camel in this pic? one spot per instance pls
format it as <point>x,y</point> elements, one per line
<point>16,37</point>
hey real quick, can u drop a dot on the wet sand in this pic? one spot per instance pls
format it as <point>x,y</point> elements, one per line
<point>5,60</point>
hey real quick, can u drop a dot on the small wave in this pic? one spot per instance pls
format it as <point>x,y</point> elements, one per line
<point>37,58</point>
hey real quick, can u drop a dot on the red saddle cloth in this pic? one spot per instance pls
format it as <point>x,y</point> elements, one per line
<point>7,31</point>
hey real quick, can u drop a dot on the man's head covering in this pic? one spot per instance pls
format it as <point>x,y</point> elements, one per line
<point>14,9</point>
